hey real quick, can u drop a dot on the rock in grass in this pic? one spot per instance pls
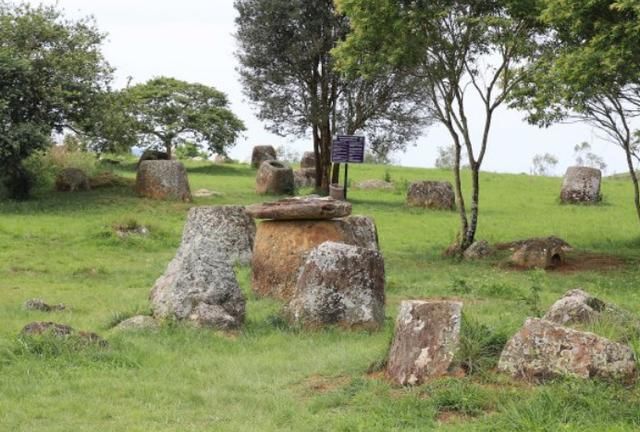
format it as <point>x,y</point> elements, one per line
<point>479,250</point>
<point>230,232</point>
<point>281,247</point>
<point>199,288</point>
<point>542,253</point>
<point>542,350</point>
<point>426,338</point>
<point>339,285</point>
<point>432,195</point>
<point>40,305</point>
<point>575,307</point>
<point>138,323</point>
<point>62,331</point>
<point>581,185</point>
<point>275,178</point>
<point>163,180</point>
<point>262,153</point>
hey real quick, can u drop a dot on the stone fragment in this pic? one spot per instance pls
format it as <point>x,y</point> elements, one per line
<point>339,285</point>
<point>72,180</point>
<point>426,338</point>
<point>308,160</point>
<point>575,307</point>
<point>261,154</point>
<point>479,250</point>
<point>540,253</point>
<point>199,288</point>
<point>581,185</point>
<point>301,208</point>
<point>163,180</point>
<point>432,195</point>
<point>542,350</point>
<point>281,246</point>
<point>138,323</point>
<point>230,232</point>
<point>39,305</point>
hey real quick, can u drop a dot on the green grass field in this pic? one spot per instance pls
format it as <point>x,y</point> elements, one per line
<point>61,247</point>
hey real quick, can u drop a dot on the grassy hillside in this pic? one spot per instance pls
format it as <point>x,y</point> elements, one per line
<point>61,247</point>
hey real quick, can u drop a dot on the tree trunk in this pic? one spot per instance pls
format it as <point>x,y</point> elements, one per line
<point>462,210</point>
<point>475,208</point>
<point>335,175</point>
<point>316,152</point>
<point>168,147</point>
<point>634,178</point>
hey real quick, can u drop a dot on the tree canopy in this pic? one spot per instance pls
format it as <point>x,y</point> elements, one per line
<point>167,111</point>
<point>51,71</point>
<point>588,70</point>
<point>288,72</point>
<point>461,51</point>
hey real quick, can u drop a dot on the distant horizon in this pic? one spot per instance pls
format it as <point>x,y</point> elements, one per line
<point>193,41</point>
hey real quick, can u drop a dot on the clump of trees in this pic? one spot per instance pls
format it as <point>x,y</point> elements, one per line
<point>289,73</point>
<point>543,164</point>
<point>52,73</point>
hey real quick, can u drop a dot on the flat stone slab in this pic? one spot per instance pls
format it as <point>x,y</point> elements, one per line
<point>426,338</point>
<point>542,350</point>
<point>301,208</point>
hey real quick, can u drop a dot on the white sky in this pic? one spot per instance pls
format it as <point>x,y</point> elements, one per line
<point>192,40</point>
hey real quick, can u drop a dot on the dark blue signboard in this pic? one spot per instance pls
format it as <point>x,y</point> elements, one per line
<point>348,149</point>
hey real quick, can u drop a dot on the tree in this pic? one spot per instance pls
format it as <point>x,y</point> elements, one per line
<point>588,71</point>
<point>585,157</point>
<point>51,71</point>
<point>460,50</point>
<point>543,165</point>
<point>447,157</point>
<point>167,111</point>
<point>288,72</point>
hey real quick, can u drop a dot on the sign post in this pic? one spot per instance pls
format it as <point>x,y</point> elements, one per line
<point>347,149</point>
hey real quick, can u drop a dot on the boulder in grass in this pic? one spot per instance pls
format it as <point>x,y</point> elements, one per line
<point>199,288</point>
<point>308,160</point>
<point>542,253</point>
<point>72,180</point>
<point>339,285</point>
<point>262,153</point>
<point>275,178</point>
<point>432,195</point>
<point>581,185</point>
<point>163,180</point>
<point>543,350</point>
<point>300,208</point>
<point>479,250</point>
<point>426,338</point>
<point>230,232</point>
<point>575,307</point>
<point>281,246</point>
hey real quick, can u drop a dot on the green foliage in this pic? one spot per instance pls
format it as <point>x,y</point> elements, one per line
<point>45,165</point>
<point>189,150</point>
<point>51,72</point>
<point>167,110</point>
<point>480,346</point>
<point>533,298</point>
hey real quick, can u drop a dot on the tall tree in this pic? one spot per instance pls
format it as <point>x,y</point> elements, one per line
<point>589,70</point>
<point>288,72</point>
<point>167,110</point>
<point>462,51</point>
<point>51,71</point>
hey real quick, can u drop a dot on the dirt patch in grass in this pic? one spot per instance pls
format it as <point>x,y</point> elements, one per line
<point>577,262</point>
<point>448,417</point>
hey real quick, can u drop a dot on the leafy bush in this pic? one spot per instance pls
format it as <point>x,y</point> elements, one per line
<point>44,166</point>
<point>190,150</point>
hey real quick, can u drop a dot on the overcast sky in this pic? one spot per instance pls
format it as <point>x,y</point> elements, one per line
<point>192,40</point>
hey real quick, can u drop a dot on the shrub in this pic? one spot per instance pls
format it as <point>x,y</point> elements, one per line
<point>44,166</point>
